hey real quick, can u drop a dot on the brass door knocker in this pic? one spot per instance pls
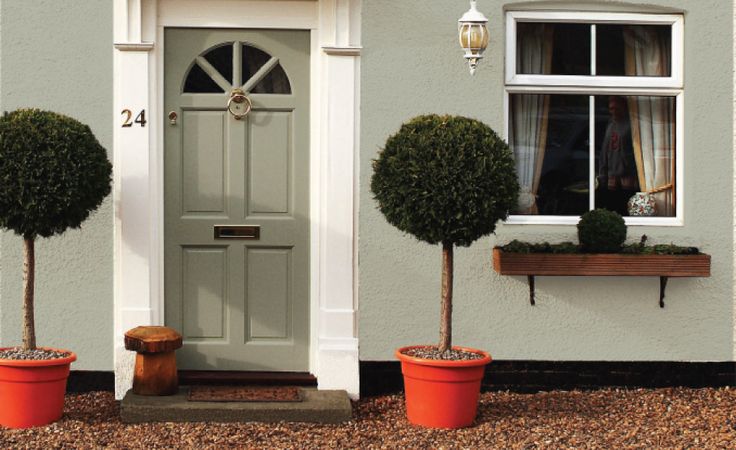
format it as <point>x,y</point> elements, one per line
<point>239,104</point>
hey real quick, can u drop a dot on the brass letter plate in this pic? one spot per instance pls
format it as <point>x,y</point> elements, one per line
<point>250,232</point>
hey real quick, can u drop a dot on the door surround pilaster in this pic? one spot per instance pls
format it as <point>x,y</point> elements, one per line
<point>138,161</point>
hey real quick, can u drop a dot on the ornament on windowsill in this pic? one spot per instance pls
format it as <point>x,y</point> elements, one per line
<point>642,204</point>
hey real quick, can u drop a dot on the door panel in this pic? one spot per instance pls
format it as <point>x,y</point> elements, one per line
<point>240,304</point>
<point>269,162</point>
<point>203,160</point>
<point>269,286</point>
<point>205,291</point>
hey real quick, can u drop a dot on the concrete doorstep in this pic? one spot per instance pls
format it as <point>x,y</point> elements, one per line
<point>317,407</point>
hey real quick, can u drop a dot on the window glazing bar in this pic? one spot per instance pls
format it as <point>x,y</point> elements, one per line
<point>593,44</point>
<point>591,149</point>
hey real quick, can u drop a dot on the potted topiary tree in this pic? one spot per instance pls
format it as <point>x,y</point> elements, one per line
<point>446,180</point>
<point>53,173</point>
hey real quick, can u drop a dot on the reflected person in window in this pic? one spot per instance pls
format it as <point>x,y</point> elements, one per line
<point>617,179</point>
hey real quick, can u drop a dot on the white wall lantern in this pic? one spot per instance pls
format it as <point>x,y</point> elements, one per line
<point>473,35</point>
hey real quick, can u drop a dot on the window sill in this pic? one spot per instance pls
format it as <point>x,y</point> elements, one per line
<point>573,220</point>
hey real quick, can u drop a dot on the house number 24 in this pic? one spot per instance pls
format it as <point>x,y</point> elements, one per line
<point>128,118</point>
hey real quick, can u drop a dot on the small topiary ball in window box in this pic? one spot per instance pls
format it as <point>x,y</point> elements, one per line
<point>601,231</point>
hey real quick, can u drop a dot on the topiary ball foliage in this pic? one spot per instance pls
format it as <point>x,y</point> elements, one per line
<point>53,173</point>
<point>445,179</point>
<point>602,231</point>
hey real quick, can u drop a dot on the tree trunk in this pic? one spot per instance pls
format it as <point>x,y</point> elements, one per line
<point>29,275</point>
<point>446,309</point>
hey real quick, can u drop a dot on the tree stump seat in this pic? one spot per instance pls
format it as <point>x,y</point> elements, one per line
<point>155,361</point>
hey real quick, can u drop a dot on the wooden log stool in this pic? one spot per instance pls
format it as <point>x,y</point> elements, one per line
<point>155,363</point>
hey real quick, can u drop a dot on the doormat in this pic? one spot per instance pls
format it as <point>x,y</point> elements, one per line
<point>245,394</point>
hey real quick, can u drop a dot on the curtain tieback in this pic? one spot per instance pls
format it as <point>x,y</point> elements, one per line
<point>527,200</point>
<point>662,188</point>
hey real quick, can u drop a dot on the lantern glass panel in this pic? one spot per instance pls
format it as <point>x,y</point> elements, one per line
<point>474,36</point>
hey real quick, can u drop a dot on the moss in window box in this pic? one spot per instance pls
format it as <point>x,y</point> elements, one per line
<point>517,246</point>
<point>639,248</point>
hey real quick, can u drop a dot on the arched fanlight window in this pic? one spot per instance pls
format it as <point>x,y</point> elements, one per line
<point>236,65</point>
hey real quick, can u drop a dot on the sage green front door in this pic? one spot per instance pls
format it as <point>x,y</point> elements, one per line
<point>236,197</point>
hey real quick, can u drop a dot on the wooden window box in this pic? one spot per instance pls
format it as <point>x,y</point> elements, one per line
<point>594,264</point>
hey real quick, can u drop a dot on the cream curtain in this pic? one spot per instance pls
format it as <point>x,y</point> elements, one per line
<point>528,136</point>
<point>652,118</point>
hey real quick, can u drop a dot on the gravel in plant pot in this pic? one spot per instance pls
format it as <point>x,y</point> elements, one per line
<point>53,174</point>
<point>446,180</point>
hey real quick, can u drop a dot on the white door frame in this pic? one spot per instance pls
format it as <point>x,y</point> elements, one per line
<point>138,161</point>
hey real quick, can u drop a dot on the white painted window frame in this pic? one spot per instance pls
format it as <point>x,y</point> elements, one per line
<point>602,85</point>
<point>138,192</point>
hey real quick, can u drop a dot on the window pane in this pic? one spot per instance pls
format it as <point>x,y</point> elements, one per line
<point>276,82</point>
<point>549,137</point>
<point>552,48</point>
<point>634,50</point>
<point>253,59</point>
<point>199,82</point>
<point>221,59</point>
<point>635,155</point>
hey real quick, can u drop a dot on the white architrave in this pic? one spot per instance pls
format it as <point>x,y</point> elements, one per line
<point>337,357</point>
<point>139,192</point>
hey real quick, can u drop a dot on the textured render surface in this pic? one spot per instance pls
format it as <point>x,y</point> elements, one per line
<point>411,67</point>
<point>734,165</point>
<point>60,58</point>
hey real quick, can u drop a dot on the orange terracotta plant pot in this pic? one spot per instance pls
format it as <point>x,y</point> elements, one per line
<point>442,394</point>
<point>32,392</point>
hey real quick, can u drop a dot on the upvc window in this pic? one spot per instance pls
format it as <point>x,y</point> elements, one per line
<point>594,114</point>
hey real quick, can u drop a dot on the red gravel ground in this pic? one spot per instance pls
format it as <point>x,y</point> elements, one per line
<point>606,419</point>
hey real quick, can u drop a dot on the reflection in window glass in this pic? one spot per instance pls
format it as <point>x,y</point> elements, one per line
<point>275,82</point>
<point>635,152</point>
<point>199,82</point>
<point>253,59</point>
<point>553,48</point>
<point>633,50</point>
<point>549,137</point>
<point>221,59</point>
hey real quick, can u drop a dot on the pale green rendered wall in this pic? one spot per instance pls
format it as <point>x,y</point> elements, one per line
<point>58,56</point>
<point>411,64</point>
